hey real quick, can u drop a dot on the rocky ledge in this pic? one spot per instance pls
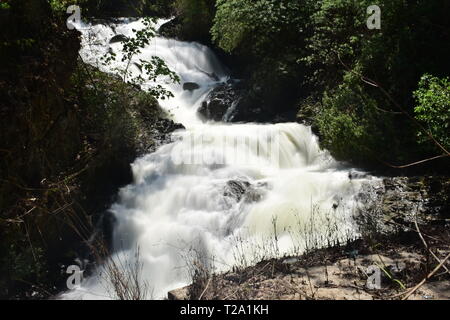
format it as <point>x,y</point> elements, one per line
<point>223,103</point>
<point>397,203</point>
<point>236,101</point>
<point>391,244</point>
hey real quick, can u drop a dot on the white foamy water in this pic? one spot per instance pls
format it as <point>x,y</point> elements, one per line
<point>181,199</point>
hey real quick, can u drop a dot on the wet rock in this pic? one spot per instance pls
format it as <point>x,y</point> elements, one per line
<point>232,277</point>
<point>236,189</point>
<point>233,101</point>
<point>190,86</point>
<point>396,202</point>
<point>154,132</point>
<point>161,132</point>
<point>219,103</point>
<point>172,29</point>
<point>244,190</point>
<point>118,38</point>
<point>353,174</point>
<point>179,294</point>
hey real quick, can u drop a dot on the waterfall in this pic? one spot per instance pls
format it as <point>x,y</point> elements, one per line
<point>221,190</point>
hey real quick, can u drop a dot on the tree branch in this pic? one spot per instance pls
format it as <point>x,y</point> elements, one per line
<point>377,85</point>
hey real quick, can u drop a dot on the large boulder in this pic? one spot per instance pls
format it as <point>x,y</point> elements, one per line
<point>240,189</point>
<point>396,203</point>
<point>190,86</point>
<point>235,101</point>
<point>118,38</point>
<point>221,103</point>
<point>172,29</point>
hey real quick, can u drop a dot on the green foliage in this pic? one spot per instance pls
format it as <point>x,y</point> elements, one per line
<point>106,117</point>
<point>197,16</point>
<point>114,8</point>
<point>433,108</point>
<point>25,265</point>
<point>351,125</point>
<point>159,8</point>
<point>59,7</point>
<point>267,37</point>
<point>5,6</point>
<point>255,24</point>
<point>342,47</point>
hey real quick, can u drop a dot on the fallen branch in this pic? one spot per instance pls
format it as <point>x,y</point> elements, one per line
<point>421,283</point>
<point>425,243</point>
<point>414,163</point>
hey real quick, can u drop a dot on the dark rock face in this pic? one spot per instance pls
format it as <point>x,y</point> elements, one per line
<point>118,38</point>
<point>236,189</point>
<point>156,133</point>
<point>396,203</point>
<point>233,101</point>
<point>190,86</point>
<point>222,103</point>
<point>244,190</point>
<point>171,29</point>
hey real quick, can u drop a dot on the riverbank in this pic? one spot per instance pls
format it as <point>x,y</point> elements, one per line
<point>330,274</point>
<point>399,246</point>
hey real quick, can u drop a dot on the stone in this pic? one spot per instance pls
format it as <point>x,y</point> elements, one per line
<point>179,294</point>
<point>219,102</point>
<point>190,86</point>
<point>118,38</point>
<point>244,190</point>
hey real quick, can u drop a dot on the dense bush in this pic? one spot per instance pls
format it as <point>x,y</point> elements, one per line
<point>196,18</point>
<point>360,81</point>
<point>353,127</point>
<point>433,108</point>
<point>256,26</point>
<point>386,65</point>
<point>266,39</point>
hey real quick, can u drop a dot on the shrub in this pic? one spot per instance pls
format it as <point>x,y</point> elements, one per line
<point>433,108</point>
<point>353,126</point>
<point>196,18</point>
<point>257,25</point>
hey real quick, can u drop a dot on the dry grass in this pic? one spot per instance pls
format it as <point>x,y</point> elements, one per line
<point>122,277</point>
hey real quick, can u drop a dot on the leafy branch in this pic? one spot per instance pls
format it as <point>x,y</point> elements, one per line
<point>151,70</point>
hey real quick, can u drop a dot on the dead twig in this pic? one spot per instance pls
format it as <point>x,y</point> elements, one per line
<point>414,163</point>
<point>206,288</point>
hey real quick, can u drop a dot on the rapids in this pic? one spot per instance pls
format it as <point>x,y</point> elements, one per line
<point>291,195</point>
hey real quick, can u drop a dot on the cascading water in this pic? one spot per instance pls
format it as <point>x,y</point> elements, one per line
<point>219,186</point>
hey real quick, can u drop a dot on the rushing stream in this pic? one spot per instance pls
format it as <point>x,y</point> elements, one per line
<point>231,193</point>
